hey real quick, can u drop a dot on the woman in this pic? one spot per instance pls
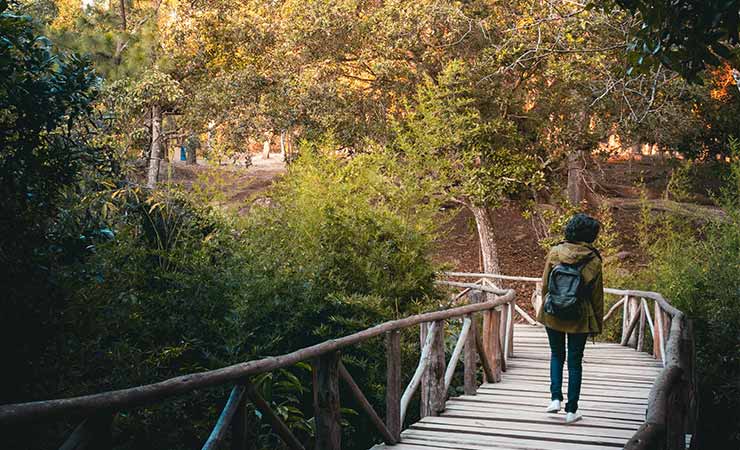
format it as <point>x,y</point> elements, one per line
<point>578,259</point>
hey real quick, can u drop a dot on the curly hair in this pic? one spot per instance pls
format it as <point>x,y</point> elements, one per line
<point>582,228</point>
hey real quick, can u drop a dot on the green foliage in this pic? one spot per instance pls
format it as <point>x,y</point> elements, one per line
<point>347,226</point>
<point>699,272</point>
<point>679,185</point>
<point>128,104</point>
<point>448,140</point>
<point>685,35</point>
<point>45,105</point>
<point>553,221</point>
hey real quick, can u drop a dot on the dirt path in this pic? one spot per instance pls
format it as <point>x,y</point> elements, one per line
<point>254,179</point>
<point>233,186</point>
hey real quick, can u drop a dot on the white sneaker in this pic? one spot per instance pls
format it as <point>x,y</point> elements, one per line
<point>572,418</point>
<point>554,406</point>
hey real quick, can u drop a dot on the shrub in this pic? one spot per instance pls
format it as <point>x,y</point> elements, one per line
<point>699,272</point>
<point>336,251</point>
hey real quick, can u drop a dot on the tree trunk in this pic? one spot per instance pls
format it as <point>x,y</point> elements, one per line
<point>117,56</point>
<point>489,252</point>
<point>576,168</point>
<point>191,155</point>
<point>266,146</point>
<point>282,143</point>
<point>155,153</point>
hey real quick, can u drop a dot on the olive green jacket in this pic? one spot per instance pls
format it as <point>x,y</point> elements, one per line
<point>592,311</point>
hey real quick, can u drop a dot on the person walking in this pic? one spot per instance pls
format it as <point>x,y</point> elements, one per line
<point>573,307</point>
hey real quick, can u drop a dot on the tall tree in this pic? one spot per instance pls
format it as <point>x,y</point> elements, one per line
<point>463,156</point>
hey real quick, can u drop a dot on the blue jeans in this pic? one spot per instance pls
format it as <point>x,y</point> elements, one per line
<point>576,344</point>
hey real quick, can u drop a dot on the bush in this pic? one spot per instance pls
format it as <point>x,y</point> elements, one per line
<point>336,251</point>
<point>700,274</point>
<point>43,96</point>
<point>165,286</point>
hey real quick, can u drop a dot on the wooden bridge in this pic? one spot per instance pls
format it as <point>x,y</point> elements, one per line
<point>626,396</point>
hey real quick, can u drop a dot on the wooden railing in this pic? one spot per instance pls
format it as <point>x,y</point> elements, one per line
<point>433,376</point>
<point>671,412</point>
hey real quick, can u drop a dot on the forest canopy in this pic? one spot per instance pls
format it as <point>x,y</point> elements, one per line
<point>189,185</point>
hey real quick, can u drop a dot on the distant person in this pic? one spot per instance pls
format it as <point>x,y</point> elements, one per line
<point>573,294</point>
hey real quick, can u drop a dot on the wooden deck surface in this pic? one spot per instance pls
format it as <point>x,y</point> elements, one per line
<point>511,414</point>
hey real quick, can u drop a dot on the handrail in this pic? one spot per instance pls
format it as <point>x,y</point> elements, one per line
<point>140,395</point>
<point>674,388</point>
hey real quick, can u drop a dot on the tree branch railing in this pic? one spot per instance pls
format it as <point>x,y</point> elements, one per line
<point>433,376</point>
<point>671,411</point>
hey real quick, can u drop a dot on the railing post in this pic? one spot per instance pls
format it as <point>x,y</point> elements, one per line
<point>537,298</point>
<point>433,394</point>
<point>688,363</point>
<point>492,342</point>
<point>641,332</point>
<point>240,427</point>
<point>634,305</point>
<point>480,345</point>
<point>393,384</point>
<point>510,330</point>
<point>424,385</point>
<point>625,316</point>
<point>470,359</point>
<point>676,414</point>
<point>658,332</point>
<point>326,402</point>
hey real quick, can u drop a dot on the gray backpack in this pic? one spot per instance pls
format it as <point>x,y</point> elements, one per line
<point>565,288</point>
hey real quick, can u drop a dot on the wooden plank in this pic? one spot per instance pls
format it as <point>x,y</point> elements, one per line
<point>590,353</point>
<point>593,353</point>
<point>544,382</point>
<point>446,439</point>
<point>527,428</point>
<point>625,369</point>
<point>534,417</point>
<point>585,405</point>
<point>326,402</point>
<point>590,390</point>
<point>529,408</point>
<point>365,405</point>
<point>393,383</point>
<point>640,373</point>
<point>543,386</point>
<point>544,378</point>
<point>503,432</point>
<point>584,397</point>
<point>605,360</point>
